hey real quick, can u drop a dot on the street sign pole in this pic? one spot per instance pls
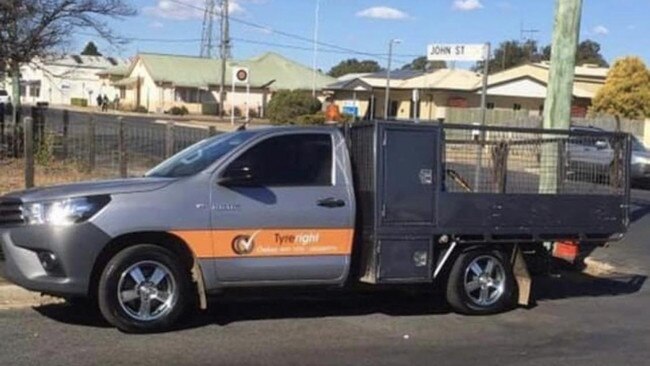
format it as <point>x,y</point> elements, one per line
<point>240,75</point>
<point>468,53</point>
<point>232,104</point>
<point>248,97</point>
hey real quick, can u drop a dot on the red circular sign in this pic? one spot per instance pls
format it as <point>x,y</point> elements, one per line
<point>242,75</point>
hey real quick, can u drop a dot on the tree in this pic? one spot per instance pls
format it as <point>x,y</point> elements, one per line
<point>38,29</point>
<point>354,66</point>
<point>626,93</point>
<point>286,106</point>
<point>588,53</point>
<point>510,54</point>
<point>91,50</point>
<point>422,64</point>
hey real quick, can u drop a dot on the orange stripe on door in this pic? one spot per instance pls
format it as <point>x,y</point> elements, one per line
<point>268,242</point>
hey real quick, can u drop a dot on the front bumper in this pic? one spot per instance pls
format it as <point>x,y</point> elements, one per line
<point>75,247</point>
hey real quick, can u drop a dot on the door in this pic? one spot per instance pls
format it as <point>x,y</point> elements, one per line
<point>283,213</point>
<point>408,172</point>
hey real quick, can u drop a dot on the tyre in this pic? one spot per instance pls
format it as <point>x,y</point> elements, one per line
<point>481,282</point>
<point>144,288</point>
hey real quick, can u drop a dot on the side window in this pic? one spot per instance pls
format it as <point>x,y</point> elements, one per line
<point>289,160</point>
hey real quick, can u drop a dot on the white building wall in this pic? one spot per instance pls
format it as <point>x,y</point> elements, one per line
<point>60,83</point>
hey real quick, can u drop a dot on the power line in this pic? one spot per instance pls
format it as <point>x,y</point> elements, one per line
<point>283,33</point>
<point>399,57</point>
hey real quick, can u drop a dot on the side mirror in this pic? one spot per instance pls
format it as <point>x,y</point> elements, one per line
<point>236,176</point>
<point>601,145</point>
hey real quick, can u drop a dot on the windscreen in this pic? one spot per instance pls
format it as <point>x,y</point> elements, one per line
<point>199,156</point>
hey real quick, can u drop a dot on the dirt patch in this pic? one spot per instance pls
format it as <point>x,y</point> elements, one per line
<point>12,297</point>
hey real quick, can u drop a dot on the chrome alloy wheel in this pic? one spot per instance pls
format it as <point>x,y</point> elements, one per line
<point>147,291</point>
<point>485,280</point>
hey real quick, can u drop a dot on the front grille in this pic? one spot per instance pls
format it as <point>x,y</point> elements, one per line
<point>11,212</point>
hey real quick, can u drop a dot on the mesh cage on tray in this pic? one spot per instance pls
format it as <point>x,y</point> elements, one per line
<point>520,161</point>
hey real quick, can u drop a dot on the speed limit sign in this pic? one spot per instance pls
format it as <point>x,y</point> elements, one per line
<point>240,75</point>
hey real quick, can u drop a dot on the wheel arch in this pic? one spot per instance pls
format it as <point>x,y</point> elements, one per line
<point>163,239</point>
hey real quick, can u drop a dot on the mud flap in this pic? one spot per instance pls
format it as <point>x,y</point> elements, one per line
<point>522,276</point>
<point>197,276</point>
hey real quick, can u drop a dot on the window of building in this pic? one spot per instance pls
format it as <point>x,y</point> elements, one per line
<point>122,92</point>
<point>457,102</point>
<point>289,160</point>
<point>35,90</point>
<point>516,107</point>
<point>23,90</point>
<point>490,105</point>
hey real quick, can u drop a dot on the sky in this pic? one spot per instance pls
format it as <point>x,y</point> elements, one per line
<point>362,28</point>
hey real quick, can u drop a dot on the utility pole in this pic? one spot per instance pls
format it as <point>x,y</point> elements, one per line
<point>225,54</point>
<point>315,60</point>
<point>559,94</point>
<point>390,59</point>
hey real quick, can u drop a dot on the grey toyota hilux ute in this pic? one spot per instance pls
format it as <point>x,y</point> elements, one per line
<point>379,203</point>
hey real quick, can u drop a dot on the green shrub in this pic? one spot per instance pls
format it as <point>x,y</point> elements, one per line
<point>178,111</point>
<point>286,106</point>
<point>311,119</point>
<point>237,111</point>
<point>140,109</point>
<point>79,102</point>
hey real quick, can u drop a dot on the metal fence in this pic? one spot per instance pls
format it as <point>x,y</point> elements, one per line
<point>73,146</point>
<point>508,160</point>
<point>524,119</point>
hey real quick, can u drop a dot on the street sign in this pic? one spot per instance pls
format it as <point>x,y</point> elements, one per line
<point>457,52</point>
<point>351,110</point>
<point>240,75</point>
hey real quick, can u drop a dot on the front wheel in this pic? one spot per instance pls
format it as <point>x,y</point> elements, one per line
<point>143,288</point>
<point>481,282</point>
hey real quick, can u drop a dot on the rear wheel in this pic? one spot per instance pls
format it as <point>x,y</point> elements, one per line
<point>481,282</point>
<point>144,288</point>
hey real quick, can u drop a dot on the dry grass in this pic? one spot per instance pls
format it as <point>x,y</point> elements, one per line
<point>12,174</point>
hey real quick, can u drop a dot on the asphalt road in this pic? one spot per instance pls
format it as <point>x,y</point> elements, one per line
<point>577,320</point>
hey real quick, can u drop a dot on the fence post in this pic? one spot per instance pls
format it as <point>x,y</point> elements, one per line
<point>121,142</point>
<point>66,124</point>
<point>2,123</point>
<point>169,139</point>
<point>90,137</point>
<point>28,128</point>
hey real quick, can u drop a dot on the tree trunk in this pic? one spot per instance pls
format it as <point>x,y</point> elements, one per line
<point>15,110</point>
<point>15,91</point>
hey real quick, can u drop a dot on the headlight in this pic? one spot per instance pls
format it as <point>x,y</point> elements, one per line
<point>63,212</point>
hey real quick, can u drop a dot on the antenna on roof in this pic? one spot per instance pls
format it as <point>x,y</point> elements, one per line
<point>242,127</point>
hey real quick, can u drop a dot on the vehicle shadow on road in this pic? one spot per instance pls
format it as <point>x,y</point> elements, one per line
<point>225,310</point>
<point>572,284</point>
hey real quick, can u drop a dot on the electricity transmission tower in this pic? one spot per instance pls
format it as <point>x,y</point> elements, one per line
<point>207,33</point>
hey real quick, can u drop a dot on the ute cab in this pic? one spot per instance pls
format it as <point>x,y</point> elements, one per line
<point>248,208</point>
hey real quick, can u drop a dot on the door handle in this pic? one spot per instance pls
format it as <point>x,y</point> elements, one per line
<point>330,202</point>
